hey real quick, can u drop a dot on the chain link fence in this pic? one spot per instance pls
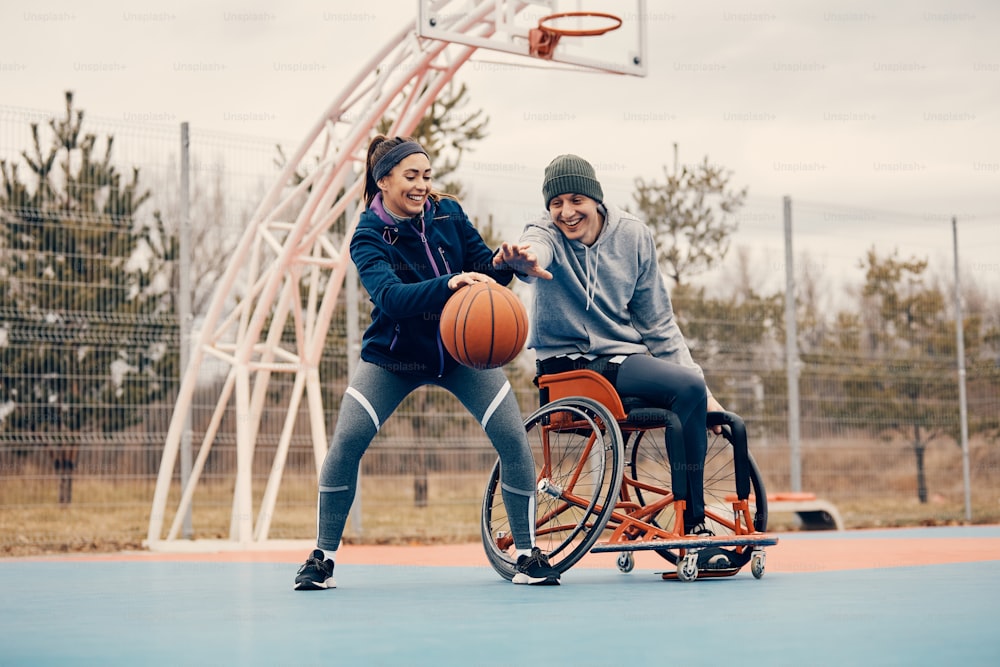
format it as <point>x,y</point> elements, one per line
<point>90,337</point>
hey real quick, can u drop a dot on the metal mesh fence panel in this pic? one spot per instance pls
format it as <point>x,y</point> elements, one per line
<point>90,337</point>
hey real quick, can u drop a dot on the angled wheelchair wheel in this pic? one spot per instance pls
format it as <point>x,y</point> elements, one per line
<point>647,480</point>
<point>579,458</point>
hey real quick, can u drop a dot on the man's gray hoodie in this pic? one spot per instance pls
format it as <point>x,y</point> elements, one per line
<point>609,298</point>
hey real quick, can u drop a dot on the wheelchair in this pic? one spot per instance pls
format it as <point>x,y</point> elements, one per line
<point>605,484</point>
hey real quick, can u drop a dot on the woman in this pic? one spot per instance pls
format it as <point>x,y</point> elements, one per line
<point>603,305</point>
<point>413,248</point>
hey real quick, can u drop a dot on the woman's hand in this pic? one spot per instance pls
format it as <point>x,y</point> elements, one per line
<point>467,278</point>
<point>517,258</point>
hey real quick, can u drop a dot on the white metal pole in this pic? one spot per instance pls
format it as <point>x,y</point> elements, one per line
<point>963,408</point>
<point>792,355</point>
<point>184,308</point>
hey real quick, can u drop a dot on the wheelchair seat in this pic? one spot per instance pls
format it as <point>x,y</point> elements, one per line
<point>630,410</point>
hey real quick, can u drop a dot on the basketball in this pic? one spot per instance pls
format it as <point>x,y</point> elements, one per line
<point>484,325</point>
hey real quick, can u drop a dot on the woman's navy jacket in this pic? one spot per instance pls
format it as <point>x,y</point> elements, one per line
<point>405,269</point>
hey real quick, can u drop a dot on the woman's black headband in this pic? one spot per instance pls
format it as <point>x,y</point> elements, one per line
<point>395,155</point>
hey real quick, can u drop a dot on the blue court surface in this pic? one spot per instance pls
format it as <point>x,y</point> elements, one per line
<point>61,612</point>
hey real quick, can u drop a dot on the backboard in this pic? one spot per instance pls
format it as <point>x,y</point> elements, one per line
<point>511,26</point>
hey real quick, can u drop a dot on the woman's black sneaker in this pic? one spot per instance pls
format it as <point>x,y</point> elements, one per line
<point>316,574</point>
<point>535,570</point>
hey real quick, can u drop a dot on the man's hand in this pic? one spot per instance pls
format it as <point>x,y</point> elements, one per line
<point>715,406</point>
<point>517,258</point>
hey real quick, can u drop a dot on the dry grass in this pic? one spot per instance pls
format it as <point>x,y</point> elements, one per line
<point>107,516</point>
<point>872,486</point>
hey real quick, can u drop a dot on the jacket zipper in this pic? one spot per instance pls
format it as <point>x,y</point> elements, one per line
<point>395,338</point>
<point>444,259</point>
<point>430,258</point>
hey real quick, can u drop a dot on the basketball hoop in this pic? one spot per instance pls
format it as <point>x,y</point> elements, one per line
<point>542,40</point>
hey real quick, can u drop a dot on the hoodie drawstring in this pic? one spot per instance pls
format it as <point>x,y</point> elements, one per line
<point>591,286</point>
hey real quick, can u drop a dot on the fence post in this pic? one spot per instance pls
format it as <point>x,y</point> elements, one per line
<point>792,355</point>
<point>353,355</point>
<point>963,408</point>
<point>184,307</point>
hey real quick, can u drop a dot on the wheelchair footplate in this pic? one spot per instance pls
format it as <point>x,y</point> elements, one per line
<point>699,558</point>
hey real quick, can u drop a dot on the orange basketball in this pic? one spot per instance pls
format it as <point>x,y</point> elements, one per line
<point>484,325</point>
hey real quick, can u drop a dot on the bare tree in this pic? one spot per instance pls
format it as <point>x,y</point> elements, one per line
<point>693,213</point>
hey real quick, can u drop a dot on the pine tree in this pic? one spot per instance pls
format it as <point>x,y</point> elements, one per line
<point>86,339</point>
<point>899,357</point>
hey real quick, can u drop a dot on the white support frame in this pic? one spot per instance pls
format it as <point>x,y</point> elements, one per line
<point>267,269</point>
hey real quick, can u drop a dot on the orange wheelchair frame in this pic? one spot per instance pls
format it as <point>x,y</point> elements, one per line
<point>581,436</point>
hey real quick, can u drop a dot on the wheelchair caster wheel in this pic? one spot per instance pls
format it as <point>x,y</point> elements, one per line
<point>757,564</point>
<point>626,562</point>
<point>687,567</point>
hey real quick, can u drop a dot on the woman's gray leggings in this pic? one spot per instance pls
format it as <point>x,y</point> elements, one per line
<point>374,394</point>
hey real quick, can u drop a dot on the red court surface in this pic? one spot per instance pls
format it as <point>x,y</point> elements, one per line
<point>795,552</point>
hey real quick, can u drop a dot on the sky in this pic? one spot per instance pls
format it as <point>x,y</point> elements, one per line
<point>880,120</point>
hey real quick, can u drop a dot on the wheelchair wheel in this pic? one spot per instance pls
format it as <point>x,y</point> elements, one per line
<point>649,467</point>
<point>579,459</point>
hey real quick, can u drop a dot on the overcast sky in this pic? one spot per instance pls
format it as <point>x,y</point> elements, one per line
<point>879,120</point>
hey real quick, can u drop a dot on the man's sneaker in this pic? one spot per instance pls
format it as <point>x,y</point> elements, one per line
<point>535,569</point>
<point>710,558</point>
<point>699,530</point>
<point>315,574</point>
<point>714,558</point>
